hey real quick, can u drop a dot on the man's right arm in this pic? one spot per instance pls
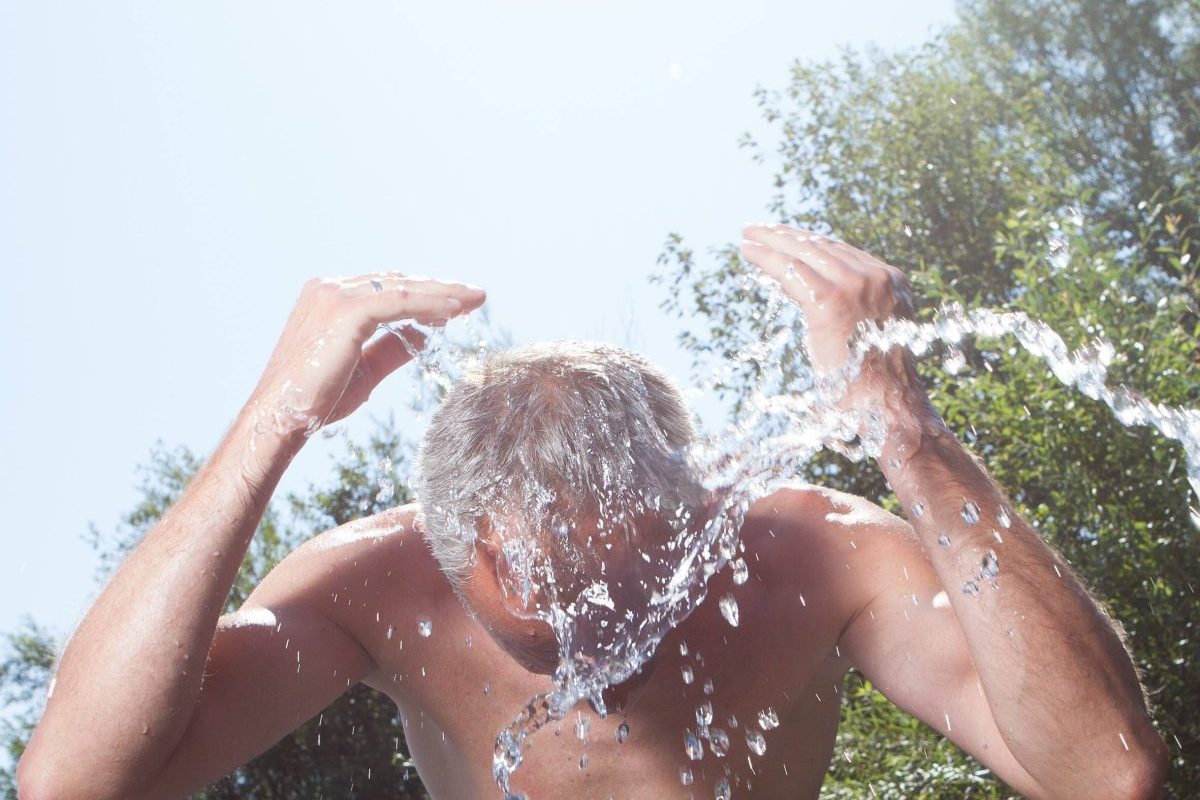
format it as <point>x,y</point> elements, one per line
<point>122,718</point>
<point>124,699</point>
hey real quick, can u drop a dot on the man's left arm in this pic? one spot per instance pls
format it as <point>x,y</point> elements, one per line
<point>1059,685</point>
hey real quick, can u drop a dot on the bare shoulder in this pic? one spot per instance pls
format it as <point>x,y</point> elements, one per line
<point>813,509</point>
<point>839,546</point>
<point>801,517</point>
<point>370,541</point>
<point>372,562</point>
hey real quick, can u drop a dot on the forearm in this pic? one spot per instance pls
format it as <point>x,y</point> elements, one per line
<point>1057,678</point>
<point>128,681</point>
<point>1061,688</point>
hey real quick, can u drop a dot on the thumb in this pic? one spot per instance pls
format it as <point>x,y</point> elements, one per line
<point>385,354</point>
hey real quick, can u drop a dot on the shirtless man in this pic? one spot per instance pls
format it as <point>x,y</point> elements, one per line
<point>157,694</point>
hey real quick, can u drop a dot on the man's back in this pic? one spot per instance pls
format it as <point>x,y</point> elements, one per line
<point>724,685</point>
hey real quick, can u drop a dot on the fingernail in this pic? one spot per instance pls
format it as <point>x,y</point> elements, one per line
<point>454,305</point>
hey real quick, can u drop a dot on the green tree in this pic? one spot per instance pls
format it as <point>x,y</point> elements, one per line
<point>1036,157</point>
<point>24,676</point>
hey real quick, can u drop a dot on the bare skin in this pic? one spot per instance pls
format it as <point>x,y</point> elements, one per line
<point>1029,676</point>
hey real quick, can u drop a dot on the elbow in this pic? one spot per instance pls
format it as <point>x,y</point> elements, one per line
<point>40,778</point>
<point>37,779</point>
<point>33,779</point>
<point>1147,779</point>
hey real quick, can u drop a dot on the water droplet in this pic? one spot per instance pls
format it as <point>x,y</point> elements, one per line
<point>944,540</point>
<point>622,732</point>
<point>918,509</point>
<point>729,609</point>
<point>467,641</point>
<point>685,776</point>
<point>991,565</point>
<point>683,648</point>
<point>768,720</point>
<point>708,686</point>
<point>718,742</point>
<point>487,688</point>
<point>704,714</point>
<point>741,572</point>
<point>692,746</point>
<point>955,361</point>
<point>970,512</point>
<point>756,741</point>
<point>391,631</point>
<point>688,675</point>
<point>424,626</point>
<point>970,587</point>
<point>583,761</point>
<point>582,727</point>
<point>721,791</point>
<point>1003,517</point>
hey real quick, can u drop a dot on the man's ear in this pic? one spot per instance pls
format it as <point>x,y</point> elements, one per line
<point>492,571</point>
<point>499,577</point>
<point>488,550</point>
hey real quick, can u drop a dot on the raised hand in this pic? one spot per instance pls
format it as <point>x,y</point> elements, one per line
<point>838,286</point>
<point>326,362</point>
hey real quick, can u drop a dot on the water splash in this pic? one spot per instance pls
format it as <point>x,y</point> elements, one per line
<point>718,742</point>
<point>789,424</point>
<point>729,609</point>
<point>768,720</point>
<point>692,745</point>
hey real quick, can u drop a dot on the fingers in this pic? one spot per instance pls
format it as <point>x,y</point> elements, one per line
<point>401,303</point>
<point>380,357</point>
<point>865,258</point>
<point>819,252</point>
<point>834,260</point>
<point>373,282</point>
<point>390,296</point>
<point>796,275</point>
<point>388,352</point>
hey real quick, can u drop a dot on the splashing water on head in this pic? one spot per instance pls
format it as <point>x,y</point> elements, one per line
<point>602,640</point>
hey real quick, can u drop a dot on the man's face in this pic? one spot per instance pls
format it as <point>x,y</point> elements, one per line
<point>604,592</point>
<point>531,642</point>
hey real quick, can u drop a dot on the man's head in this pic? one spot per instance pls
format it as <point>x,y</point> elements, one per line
<point>551,469</point>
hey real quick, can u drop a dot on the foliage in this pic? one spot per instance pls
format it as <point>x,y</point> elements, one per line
<point>1035,158</point>
<point>24,676</point>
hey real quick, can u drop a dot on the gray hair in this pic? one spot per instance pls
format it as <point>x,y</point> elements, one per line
<point>552,430</point>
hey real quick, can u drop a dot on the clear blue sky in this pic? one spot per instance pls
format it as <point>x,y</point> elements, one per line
<point>171,173</point>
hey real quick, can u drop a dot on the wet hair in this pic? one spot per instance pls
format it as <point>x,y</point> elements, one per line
<point>548,435</point>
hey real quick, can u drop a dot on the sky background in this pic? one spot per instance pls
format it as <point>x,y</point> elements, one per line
<point>171,173</point>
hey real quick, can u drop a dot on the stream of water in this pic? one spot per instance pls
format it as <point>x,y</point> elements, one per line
<point>786,420</point>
